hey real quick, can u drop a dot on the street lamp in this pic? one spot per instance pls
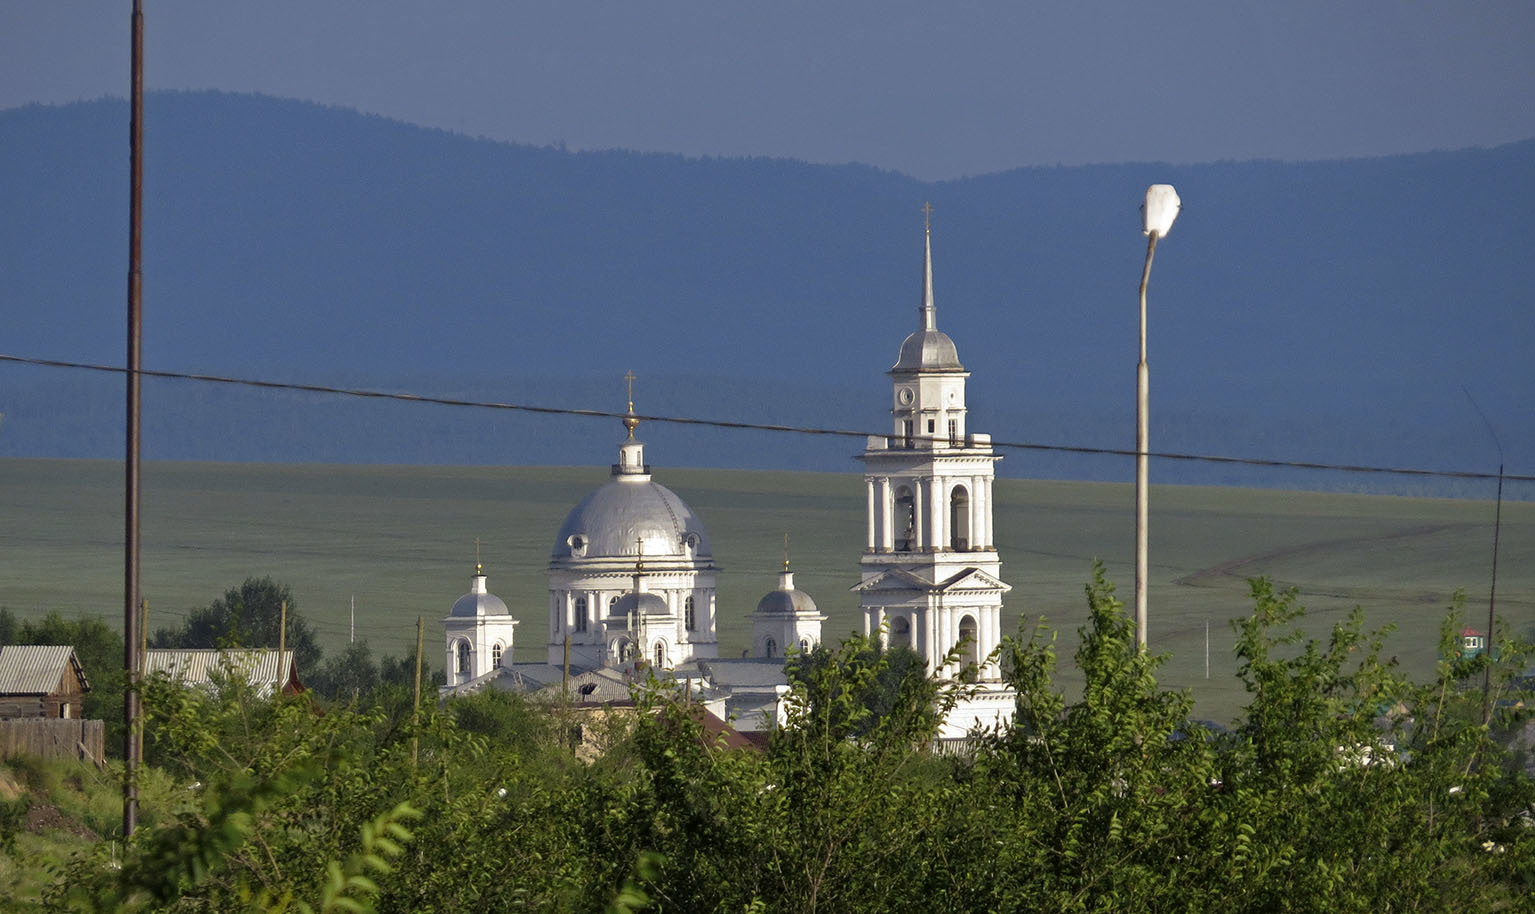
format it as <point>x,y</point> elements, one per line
<point>1157,215</point>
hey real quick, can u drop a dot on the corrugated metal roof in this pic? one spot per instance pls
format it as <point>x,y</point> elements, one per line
<point>263,669</point>
<point>33,669</point>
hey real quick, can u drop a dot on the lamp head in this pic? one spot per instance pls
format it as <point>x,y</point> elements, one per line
<point>1159,210</point>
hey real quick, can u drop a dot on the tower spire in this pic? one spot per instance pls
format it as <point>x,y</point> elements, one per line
<point>928,312</point>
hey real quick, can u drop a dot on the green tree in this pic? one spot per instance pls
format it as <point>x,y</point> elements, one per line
<point>247,616</point>
<point>349,675</point>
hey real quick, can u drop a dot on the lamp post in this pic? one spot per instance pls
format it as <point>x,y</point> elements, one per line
<point>1157,215</point>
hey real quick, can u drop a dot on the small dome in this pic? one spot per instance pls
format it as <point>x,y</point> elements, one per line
<point>928,350</point>
<point>624,516</point>
<point>642,604</point>
<point>479,601</point>
<point>786,600</point>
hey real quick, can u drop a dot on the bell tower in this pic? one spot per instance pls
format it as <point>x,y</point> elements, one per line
<point>931,577</point>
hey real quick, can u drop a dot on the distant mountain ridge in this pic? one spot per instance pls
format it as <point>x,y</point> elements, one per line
<point>1324,311</point>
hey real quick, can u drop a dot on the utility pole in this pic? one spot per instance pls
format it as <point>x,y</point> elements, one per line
<point>131,710</point>
<point>415,713</point>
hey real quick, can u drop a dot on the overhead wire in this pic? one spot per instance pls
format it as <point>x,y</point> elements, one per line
<point>429,399</point>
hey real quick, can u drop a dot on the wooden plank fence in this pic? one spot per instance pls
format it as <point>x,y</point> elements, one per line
<point>69,738</point>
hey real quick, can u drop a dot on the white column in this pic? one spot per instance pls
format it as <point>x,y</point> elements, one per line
<point>990,542</point>
<point>886,515</point>
<point>869,523</point>
<point>978,513</point>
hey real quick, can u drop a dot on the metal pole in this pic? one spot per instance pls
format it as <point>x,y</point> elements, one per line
<point>415,706</point>
<point>1142,459</point>
<point>131,710</point>
<point>1492,599</point>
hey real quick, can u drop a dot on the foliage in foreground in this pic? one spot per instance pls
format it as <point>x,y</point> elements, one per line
<point>1344,787</point>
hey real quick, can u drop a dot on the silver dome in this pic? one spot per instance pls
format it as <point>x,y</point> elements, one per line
<point>615,518</point>
<point>785,603</point>
<point>478,604</point>
<point>642,604</point>
<point>928,350</point>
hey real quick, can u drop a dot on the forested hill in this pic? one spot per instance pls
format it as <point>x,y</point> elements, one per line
<point>1326,311</point>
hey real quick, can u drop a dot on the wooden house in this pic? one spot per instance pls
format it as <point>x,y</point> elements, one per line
<point>41,681</point>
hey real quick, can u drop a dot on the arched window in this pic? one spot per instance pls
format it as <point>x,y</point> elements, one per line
<point>495,654</point>
<point>900,632</point>
<point>804,645</point>
<point>660,655</point>
<point>769,648</point>
<point>969,648</point>
<point>959,518</point>
<point>581,614</point>
<point>689,616</point>
<point>463,657</point>
<point>905,520</point>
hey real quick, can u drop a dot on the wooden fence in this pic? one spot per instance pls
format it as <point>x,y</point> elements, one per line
<point>68,738</point>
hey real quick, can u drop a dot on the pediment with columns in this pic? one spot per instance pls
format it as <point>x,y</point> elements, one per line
<point>969,579</point>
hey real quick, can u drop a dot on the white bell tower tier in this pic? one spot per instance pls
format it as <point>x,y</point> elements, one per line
<point>931,576</point>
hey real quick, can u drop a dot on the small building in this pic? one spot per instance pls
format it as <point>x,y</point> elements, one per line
<point>41,681</point>
<point>1473,643</point>
<point>264,670</point>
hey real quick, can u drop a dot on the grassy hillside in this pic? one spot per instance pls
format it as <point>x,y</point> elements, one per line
<point>401,541</point>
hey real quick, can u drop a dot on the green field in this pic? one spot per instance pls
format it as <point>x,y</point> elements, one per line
<point>401,541</point>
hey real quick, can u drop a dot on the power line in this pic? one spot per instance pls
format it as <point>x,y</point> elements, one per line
<point>750,426</point>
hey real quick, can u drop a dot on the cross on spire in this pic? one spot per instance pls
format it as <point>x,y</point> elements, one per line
<point>786,552</point>
<point>630,422</point>
<point>478,568</point>
<point>927,216</point>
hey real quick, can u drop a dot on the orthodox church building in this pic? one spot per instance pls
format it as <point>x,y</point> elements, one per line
<point>632,578</point>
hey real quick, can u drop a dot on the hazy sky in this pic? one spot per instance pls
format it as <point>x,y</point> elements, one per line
<point>932,89</point>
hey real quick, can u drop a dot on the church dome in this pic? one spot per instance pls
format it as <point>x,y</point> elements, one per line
<point>641,604</point>
<point>627,517</point>
<point>928,350</point>
<point>786,600</point>
<point>478,601</point>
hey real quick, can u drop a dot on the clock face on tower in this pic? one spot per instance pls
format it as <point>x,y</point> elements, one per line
<point>905,396</point>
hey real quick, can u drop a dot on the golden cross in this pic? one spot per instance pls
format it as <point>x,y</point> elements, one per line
<point>927,216</point>
<point>629,380</point>
<point>786,552</point>
<point>477,565</point>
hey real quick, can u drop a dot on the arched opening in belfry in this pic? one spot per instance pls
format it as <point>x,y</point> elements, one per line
<point>770,648</point>
<point>905,520</point>
<point>959,518</point>
<point>463,657</point>
<point>661,655</point>
<point>900,632</point>
<point>969,647</point>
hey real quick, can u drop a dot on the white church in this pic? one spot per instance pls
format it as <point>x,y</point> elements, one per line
<point>632,578</point>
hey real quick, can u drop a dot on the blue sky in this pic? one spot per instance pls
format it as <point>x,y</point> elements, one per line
<point>933,90</point>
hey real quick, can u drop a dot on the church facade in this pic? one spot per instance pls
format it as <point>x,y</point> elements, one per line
<point>632,578</point>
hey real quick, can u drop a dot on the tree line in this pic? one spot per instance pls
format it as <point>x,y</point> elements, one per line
<point>1344,786</point>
